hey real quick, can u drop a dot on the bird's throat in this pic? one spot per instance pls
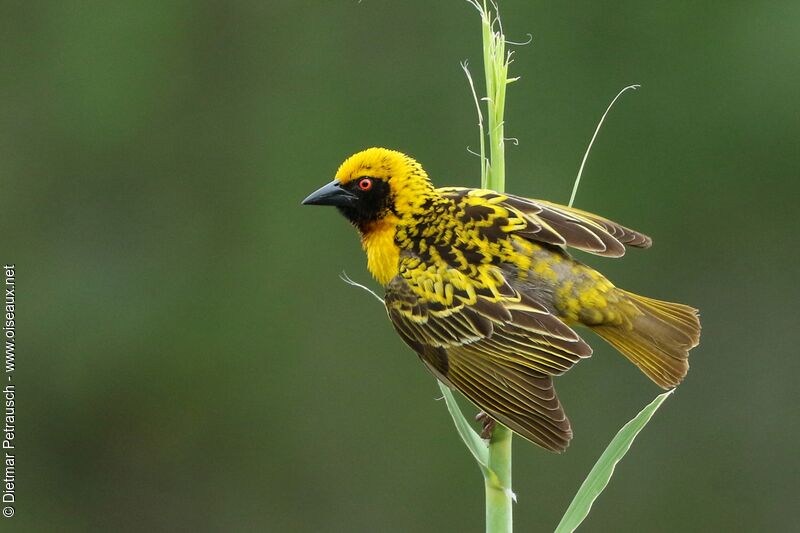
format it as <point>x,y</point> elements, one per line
<point>383,255</point>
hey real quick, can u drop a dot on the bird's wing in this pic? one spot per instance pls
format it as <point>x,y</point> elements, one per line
<point>546,222</point>
<point>496,346</point>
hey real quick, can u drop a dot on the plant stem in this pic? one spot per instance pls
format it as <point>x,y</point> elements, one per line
<point>499,497</point>
<point>495,64</point>
<point>497,470</point>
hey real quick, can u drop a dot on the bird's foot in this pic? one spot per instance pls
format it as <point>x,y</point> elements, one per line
<point>487,424</point>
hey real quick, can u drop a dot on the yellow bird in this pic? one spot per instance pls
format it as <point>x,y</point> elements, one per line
<point>481,286</point>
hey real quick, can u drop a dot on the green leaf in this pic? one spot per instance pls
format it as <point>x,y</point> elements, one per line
<point>601,473</point>
<point>475,444</point>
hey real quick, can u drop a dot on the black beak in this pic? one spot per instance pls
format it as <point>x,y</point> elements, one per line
<point>331,194</point>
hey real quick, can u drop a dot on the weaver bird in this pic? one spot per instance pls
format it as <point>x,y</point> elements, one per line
<point>481,285</point>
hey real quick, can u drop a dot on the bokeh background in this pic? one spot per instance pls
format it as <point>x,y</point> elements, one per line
<point>188,358</point>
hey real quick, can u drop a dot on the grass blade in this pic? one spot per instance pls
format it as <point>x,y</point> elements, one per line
<point>473,441</point>
<point>601,473</point>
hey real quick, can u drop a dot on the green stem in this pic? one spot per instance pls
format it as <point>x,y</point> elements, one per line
<point>496,467</point>
<point>495,64</point>
<point>499,497</point>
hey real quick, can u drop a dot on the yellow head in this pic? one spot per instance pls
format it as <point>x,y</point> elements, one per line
<point>374,185</point>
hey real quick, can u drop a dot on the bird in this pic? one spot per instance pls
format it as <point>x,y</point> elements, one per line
<point>482,286</point>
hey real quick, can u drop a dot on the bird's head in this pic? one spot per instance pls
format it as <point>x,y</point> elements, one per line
<point>374,185</point>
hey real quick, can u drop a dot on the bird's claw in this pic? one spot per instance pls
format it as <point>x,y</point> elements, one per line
<point>487,424</point>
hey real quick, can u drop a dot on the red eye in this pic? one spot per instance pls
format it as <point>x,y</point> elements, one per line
<point>365,184</point>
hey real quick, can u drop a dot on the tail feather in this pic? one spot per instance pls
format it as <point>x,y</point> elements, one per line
<point>657,339</point>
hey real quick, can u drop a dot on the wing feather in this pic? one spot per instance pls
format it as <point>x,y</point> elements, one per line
<point>560,225</point>
<point>624,235</point>
<point>500,354</point>
<point>526,403</point>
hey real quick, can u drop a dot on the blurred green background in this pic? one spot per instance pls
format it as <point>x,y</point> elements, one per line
<point>188,358</point>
